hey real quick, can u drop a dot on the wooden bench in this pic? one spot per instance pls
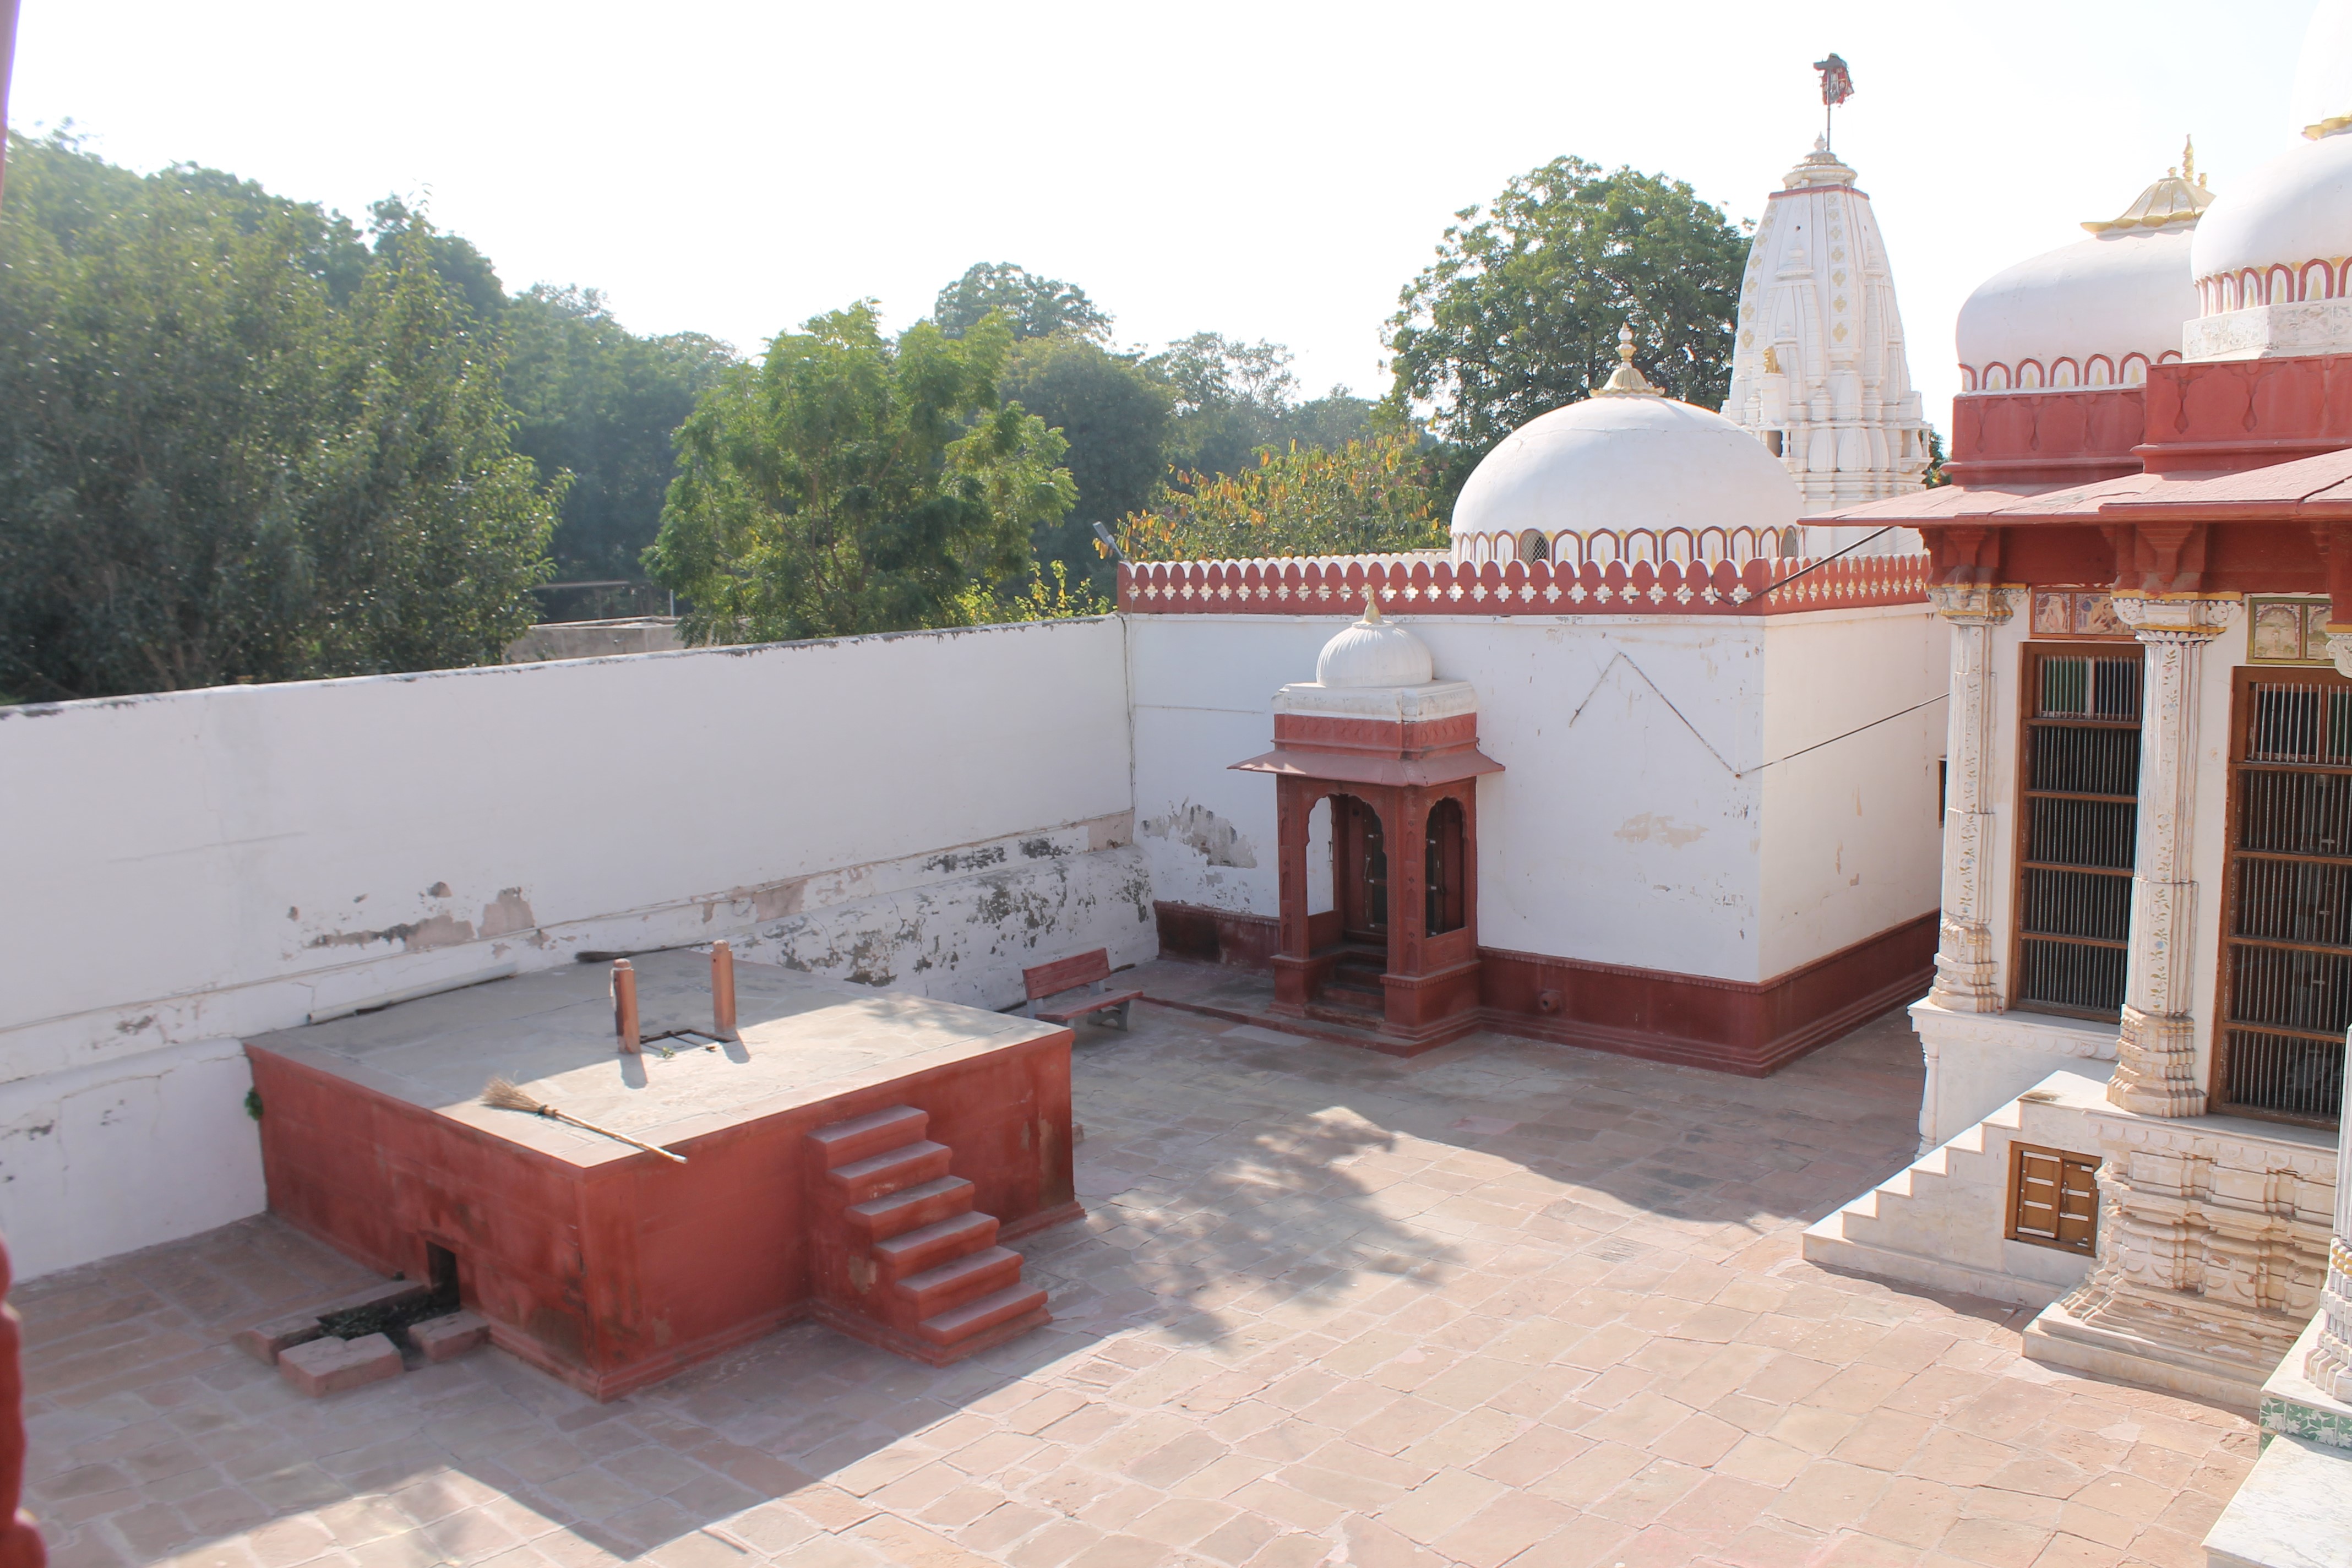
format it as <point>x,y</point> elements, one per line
<point>1069,989</point>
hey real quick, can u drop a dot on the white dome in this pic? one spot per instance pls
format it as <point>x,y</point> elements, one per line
<point>2296,208</point>
<point>1626,461</point>
<point>1374,652</point>
<point>2123,294</point>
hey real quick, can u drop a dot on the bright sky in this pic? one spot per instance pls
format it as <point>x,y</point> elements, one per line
<point>1268,169</point>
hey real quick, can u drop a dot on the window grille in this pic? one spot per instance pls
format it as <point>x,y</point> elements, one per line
<point>2054,1198</point>
<point>2287,966</point>
<point>2081,816</point>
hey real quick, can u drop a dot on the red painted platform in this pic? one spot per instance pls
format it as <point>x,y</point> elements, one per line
<point>858,1155</point>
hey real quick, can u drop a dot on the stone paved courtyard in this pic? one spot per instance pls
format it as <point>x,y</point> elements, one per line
<point>1506,1303</point>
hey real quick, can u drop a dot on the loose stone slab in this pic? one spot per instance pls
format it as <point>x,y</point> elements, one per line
<point>447,1338</point>
<point>330,1366</point>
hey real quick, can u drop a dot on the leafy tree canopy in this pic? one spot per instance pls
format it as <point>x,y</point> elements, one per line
<point>1115,414</point>
<point>1234,400</point>
<point>1032,306</point>
<point>598,402</point>
<point>235,444</point>
<point>1369,495</point>
<point>1519,313</point>
<point>853,483</point>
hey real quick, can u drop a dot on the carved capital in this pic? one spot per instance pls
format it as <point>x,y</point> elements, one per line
<point>2156,1065</point>
<point>2178,617</point>
<point>1975,604</point>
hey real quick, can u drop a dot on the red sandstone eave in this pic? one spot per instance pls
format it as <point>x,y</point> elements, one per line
<point>1930,508</point>
<point>2308,490</point>
<point>1346,767</point>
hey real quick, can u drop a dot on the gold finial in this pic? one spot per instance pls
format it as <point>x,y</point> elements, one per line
<point>1371,607</point>
<point>1625,380</point>
<point>2180,198</point>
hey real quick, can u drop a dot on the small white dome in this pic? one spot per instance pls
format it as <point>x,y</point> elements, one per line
<point>2296,208</point>
<point>1375,652</point>
<point>2123,294</point>
<point>1626,461</point>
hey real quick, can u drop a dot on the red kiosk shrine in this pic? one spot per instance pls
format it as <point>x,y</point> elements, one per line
<point>1394,751</point>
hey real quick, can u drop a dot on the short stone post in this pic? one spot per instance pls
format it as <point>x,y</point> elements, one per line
<point>1966,977</point>
<point>2329,1364</point>
<point>2156,1056</point>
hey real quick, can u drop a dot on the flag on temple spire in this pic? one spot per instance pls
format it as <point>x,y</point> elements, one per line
<point>1837,81</point>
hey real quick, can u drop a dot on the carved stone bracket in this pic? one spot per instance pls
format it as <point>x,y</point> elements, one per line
<point>1966,977</point>
<point>2155,1057</point>
<point>2339,648</point>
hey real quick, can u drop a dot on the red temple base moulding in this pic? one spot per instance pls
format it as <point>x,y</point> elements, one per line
<point>1749,1028</point>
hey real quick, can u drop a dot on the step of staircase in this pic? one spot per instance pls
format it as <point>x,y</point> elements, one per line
<point>879,1175</point>
<point>911,1208</point>
<point>927,1247</point>
<point>976,1318</point>
<point>954,1284</point>
<point>862,1137</point>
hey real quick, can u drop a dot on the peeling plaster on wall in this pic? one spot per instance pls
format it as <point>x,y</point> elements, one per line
<point>967,939</point>
<point>1211,837</point>
<point>1649,828</point>
<point>510,911</point>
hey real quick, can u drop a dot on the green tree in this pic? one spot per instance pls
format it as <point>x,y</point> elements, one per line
<point>1368,496</point>
<point>597,402</point>
<point>226,454</point>
<point>851,483</point>
<point>1032,306</point>
<point>1115,416</point>
<point>1519,313</point>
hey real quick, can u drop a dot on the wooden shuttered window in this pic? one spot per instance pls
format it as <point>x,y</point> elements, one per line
<point>2054,1198</point>
<point>2079,819</point>
<point>2286,959</point>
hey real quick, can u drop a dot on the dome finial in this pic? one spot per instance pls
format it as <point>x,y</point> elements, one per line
<point>2180,198</point>
<point>1371,607</point>
<point>1627,381</point>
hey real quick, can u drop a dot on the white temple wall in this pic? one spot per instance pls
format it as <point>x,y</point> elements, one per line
<point>1854,724</point>
<point>931,811</point>
<point>1616,833</point>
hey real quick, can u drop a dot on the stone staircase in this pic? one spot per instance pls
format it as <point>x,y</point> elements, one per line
<point>1942,1221</point>
<point>1354,994</point>
<point>902,1259</point>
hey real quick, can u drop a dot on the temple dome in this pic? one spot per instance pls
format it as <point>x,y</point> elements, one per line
<point>1626,458</point>
<point>2091,313</point>
<point>1375,651</point>
<point>2293,209</point>
<point>2297,208</point>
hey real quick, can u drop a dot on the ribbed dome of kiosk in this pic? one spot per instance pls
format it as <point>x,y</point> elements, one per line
<point>1626,458</point>
<point>1375,651</point>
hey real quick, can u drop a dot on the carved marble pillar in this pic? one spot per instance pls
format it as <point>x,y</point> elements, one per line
<point>1967,979</point>
<point>2156,1056</point>
<point>2329,1364</point>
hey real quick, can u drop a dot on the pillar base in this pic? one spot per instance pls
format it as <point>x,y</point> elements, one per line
<point>2155,1067</point>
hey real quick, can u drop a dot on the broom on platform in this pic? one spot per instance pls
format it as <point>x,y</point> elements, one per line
<point>502,1095</point>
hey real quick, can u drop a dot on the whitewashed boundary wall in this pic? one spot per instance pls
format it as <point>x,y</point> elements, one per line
<point>927,811</point>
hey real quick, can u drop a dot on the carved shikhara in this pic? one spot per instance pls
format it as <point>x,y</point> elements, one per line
<point>1967,979</point>
<point>2156,1058</point>
<point>2213,1245</point>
